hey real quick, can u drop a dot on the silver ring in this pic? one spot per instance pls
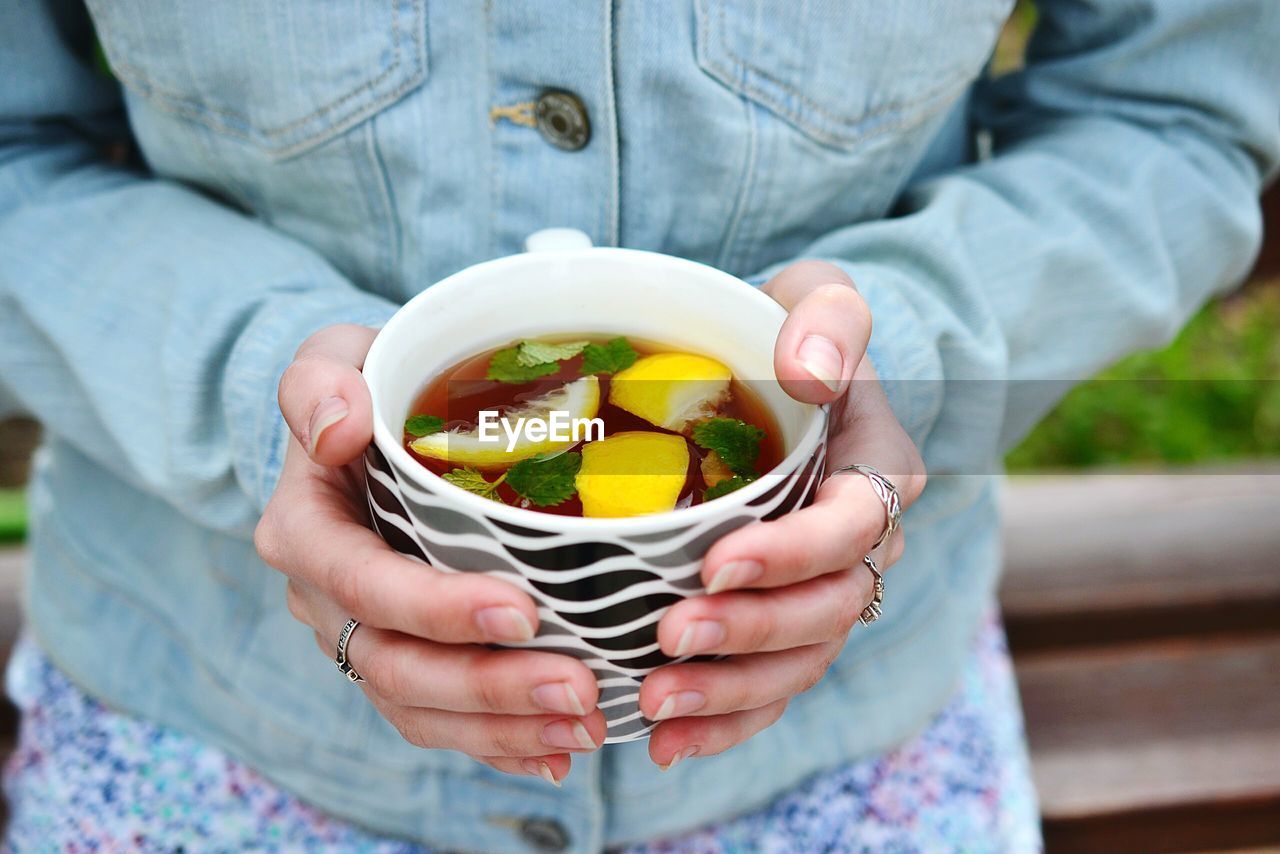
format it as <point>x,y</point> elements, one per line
<point>344,638</point>
<point>873,611</point>
<point>888,495</point>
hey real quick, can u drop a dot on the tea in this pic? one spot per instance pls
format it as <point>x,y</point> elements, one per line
<point>596,426</point>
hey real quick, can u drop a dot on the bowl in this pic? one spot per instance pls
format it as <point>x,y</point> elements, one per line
<point>600,585</point>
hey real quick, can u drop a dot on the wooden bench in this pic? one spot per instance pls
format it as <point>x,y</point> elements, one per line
<point>1144,616</point>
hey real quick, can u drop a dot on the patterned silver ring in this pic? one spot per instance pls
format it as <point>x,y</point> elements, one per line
<point>344,638</point>
<point>886,492</point>
<point>873,611</point>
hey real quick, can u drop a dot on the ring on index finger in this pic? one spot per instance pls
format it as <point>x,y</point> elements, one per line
<point>888,495</point>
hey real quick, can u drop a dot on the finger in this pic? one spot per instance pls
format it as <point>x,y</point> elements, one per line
<point>676,740</point>
<point>518,736</point>
<point>844,521</point>
<point>409,671</point>
<point>324,397</point>
<point>351,565</point>
<point>891,552</point>
<point>467,678</point>
<point>825,334</point>
<point>553,768</point>
<point>869,432</point>
<point>814,611</point>
<point>735,684</point>
<point>846,518</point>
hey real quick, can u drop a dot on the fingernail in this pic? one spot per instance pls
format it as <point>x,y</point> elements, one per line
<point>821,358</point>
<point>504,623</point>
<point>679,757</point>
<point>558,697</point>
<point>330,411</point>
<point>700,636</point>
<point>540,769</point>
<point>679,704</point>
<point>738,573</point>
<point>571,735</point>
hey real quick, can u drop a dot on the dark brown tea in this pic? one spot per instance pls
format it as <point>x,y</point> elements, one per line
<point>603,427</point>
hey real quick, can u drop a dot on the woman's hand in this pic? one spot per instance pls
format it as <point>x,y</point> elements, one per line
<point>418,643</point>
<point>783,595</point>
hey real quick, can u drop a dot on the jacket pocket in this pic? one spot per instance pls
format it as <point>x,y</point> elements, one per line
<point>842,71</point>
<point>284,75</point>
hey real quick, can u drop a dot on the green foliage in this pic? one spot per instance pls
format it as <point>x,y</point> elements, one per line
<point>423,425</point>
<point>546,480</point>
<point>616,355</point>
<point>1213,394</point>
<point>506,366</point>
<point>474,482</point>
<point>530,353</point>
<point>1011,48</point>
<point>724,487</point>
<point>736,442</point>
<point>13,515</point>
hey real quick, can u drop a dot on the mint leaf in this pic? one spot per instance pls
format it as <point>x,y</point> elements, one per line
<point>472,481</point>
<point>724,487</point>
<point>736,442</point>
<point>505,367</point>
<point>531,353</point>
<point>423,425</point>
<point>545,481</point>
<point>616,355</point>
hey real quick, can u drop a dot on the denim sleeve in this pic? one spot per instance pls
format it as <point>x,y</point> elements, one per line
<point>1121,192</point>
<point>140,321</point>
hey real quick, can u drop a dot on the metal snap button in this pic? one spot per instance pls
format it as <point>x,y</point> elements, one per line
<point>562,120</point>
<point>544,834</point>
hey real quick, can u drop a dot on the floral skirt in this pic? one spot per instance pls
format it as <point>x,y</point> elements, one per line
<point>84,777</point>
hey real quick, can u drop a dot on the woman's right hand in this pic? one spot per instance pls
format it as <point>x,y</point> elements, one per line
<point>418,645</point>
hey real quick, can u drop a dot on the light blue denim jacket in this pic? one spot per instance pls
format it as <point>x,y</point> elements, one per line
<point>306,163</point>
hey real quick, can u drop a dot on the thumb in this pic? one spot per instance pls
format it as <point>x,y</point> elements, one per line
<point>324,397</point>
<point>825,334</point>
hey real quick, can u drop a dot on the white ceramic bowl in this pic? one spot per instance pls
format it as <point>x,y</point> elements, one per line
<point>601,585</point>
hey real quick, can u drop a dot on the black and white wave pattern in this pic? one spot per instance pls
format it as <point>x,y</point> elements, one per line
<point>599,598</point>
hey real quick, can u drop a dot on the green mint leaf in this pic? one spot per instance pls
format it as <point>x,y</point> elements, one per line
<point>423,425</point>
<point>737,443</point>
<point>473,481</point>
<point>545,481</point>
<point>724,487</point>
<point>531,353</point>
<point>608,358</point>
<point>505,367</point>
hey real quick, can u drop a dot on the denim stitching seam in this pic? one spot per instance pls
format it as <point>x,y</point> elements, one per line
<point>183,105</point>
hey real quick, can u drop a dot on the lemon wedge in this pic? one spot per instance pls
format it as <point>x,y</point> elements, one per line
<point>632,474</point>
<point>579,399</point>
<point>670,390</point>
<point>714,469</point>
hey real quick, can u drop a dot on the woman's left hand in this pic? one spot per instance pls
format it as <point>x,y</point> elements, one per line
<point>783,595</point>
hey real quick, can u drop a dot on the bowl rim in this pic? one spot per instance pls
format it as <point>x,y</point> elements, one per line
<point>389,443</point>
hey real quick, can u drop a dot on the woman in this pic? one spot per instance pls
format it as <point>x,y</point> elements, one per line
<point>306,168</point>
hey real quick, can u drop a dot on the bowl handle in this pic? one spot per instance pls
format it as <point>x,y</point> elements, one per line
<point>557,240</point>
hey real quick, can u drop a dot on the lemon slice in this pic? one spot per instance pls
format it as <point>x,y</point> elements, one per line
<point>714,469</point>
<point>670,390</point>
<point>579,399</point>
<point>632,474</point>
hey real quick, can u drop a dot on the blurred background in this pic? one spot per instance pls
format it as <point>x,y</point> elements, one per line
<point>1142,583</point>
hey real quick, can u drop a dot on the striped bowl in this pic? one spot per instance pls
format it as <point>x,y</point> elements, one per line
<point>601,585</point>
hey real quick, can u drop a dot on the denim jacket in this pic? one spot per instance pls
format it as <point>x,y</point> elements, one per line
<point>301,163</point>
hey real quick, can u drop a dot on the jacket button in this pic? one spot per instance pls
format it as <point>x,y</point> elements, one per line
<point>544,834</point>
<point>562,120</point>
